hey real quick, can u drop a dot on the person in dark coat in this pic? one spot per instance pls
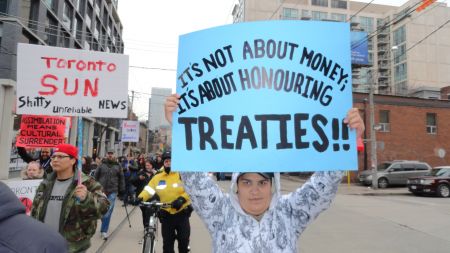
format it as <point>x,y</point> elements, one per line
<point>44,158</point>
<point>144,176</point>
<point>34,235</point>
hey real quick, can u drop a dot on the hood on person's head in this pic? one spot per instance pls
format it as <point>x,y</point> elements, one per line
<point>266,175</point>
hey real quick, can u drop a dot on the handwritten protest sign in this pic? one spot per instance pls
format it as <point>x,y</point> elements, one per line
<point>130,131</point>
<point>71,82</point>
<point>264,96</point>
<point>25,191</point>
<point>41,131</point>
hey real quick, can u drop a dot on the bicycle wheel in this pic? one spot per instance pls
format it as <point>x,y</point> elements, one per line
<point>152,244</point>
<point>149,243</point>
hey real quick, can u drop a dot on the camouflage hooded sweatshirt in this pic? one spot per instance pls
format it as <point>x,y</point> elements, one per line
<point>78,220</point>
<point>234,231</point>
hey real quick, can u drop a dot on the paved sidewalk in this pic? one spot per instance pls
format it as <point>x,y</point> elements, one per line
<point>118,220</point>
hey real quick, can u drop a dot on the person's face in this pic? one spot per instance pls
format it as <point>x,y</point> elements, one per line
<point>83,160</point>
<point>167,163</point>
<point>110,155</point>
<point>148,166</point>
<point>254,193</point>
<point>158,158</point>
<point>33,170</point>
<point>62,162</point>
<point>45,153</point>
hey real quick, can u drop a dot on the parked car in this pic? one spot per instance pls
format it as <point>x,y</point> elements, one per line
<point>395,172</point>
<point>437,182</point>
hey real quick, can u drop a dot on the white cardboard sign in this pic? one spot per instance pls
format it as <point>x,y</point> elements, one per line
<point>71,82</point>
<point>130,131</point>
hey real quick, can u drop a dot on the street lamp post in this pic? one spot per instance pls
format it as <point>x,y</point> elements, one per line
<point>373,138</point>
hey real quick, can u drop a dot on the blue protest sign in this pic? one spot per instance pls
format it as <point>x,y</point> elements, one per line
<point>264,96</point>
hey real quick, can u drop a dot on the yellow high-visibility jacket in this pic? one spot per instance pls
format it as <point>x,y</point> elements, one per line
<point>168,187</point>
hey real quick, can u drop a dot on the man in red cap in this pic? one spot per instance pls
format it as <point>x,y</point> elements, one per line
<point>70,208</point>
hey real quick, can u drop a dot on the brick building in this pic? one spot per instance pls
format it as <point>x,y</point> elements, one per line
<point>408,128</point>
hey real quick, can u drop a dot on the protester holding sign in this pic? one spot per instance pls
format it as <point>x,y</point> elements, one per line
<point>34,236</point>
<point>69,207</point>
<point>44,158</point>
<point>254,216</point>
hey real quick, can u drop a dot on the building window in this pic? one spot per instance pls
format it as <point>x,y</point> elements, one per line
<point>53,5</point>
<point>400,72</point>
<point>339,17</point>
<point>81,6</point>
<point>399,36</point>
<point>366,23</point>
<point>305,14</point>
<point>88,16</point>
<point>400,53</point>
<point>1,33</point>
<point>431,123</point>
<point>105,15</point>
<point>385,125</point>
<point>97,28</point>
<point>289,13</point>
<point>320,3</point>
<point>97,7</point>
<point>340,4</point>
<point>319,15</point>
<point>64,39</point>
<point>4,6</point>
<point>51,30</point>
<point>67,15</point>
<point>79,30</point>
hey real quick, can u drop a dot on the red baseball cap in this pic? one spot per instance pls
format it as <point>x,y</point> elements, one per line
<point>68,149</point>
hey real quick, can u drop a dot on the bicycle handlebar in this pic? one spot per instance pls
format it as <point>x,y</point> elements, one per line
<point>155,204</point>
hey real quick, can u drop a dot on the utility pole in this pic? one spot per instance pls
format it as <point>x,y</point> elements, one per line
<point>373,138</point>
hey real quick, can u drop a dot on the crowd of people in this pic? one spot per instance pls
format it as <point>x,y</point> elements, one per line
<point>253,217</point>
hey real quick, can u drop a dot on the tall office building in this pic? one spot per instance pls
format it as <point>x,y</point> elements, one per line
<point>79,24</point>
<point>156,116</point>
<point>404,61</point>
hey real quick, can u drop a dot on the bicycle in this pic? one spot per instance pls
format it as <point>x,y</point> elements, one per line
<point>151,232</point>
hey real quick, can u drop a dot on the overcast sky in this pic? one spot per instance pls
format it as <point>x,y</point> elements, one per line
<point>151,30</point>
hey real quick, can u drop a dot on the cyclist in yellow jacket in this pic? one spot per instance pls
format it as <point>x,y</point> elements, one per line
<point>168,188</point>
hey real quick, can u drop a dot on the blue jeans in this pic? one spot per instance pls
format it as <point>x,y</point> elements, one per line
<point>107,217</point>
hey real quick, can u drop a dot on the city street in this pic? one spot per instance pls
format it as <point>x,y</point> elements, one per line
<point>360,220</point>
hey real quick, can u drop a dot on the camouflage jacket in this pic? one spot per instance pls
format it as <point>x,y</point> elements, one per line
<point>78,220</point>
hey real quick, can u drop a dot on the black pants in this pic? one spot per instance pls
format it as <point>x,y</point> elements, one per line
<point>146,213</point>
<point>175,226</point>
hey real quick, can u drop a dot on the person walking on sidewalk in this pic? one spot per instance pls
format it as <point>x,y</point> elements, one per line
<point>65,206</point>
<point>167,186</point>
<point>110,175</point>
<point>130,171</point>
<point>254,216</point>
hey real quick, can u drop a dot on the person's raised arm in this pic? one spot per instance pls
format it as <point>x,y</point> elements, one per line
<point>318,192</point>
<point>170,106</point>
<point>206,196</point>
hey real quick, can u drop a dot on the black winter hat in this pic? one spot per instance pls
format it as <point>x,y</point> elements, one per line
<point>166,155</point>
